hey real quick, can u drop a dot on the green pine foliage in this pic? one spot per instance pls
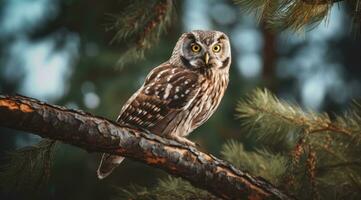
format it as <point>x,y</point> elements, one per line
<point>266,117</point>
<point>295,15</point>
<point>323,151</point>
<point>28,168</point>
<point>140,26</point>
<point>167,188</point>
<point>256,162</point>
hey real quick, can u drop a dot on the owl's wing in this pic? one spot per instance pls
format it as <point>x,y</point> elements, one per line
<point>157,105</point>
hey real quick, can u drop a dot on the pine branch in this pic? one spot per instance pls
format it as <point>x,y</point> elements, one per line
<point>101,135</point>
<point>263,9</point>
<point>140,26</point>
<point>315,140</point>
<point>28,168</point>
<point>168,188</point>
<point>263,111</point>
<point>262,162</point>
<point>294,15</point>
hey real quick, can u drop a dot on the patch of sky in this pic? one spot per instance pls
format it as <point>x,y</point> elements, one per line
<point>21,16</point>
<point>45,69</point>
<point>90,99</point>
<point>246,39</point>
<point>317,75</point>
<point>250,65</point>
<point>223,13</point>
<point>248,42</point>
<point>196,15</point>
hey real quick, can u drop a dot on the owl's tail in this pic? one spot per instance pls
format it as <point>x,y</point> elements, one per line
<point>107,164</point>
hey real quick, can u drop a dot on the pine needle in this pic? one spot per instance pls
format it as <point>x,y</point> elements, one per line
<point>261,162</point>
<point>268,118</point>
<point>325,152</point>
<point>140,27</point>
<point>263,9</point>
<point>167,188</point>
<point>28,168</point>
<point>294,15</point>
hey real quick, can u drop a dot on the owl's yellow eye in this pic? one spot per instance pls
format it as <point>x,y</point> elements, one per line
<point>216,48</point>
<point>195,48</point>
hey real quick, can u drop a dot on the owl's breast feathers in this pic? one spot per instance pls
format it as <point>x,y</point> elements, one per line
<point>170,101</point>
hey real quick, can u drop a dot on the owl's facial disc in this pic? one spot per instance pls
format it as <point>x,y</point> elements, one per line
<point>205,49</point>
<point>212,55</point>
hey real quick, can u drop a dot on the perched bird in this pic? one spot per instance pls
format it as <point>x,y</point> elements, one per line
<point>181,94</point>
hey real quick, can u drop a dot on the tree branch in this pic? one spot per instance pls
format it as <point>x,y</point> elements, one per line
<point>96,134</point>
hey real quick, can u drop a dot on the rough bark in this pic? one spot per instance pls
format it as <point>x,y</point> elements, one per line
<point>96,134</point>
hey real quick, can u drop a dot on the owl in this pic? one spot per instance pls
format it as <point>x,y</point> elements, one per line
<point>181,94</point>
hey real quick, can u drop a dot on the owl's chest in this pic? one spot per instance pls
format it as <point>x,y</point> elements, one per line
<point>206,101</point>
<point>210,98</point>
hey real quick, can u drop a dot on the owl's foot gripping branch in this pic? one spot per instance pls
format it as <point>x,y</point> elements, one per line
<point>97,134</point>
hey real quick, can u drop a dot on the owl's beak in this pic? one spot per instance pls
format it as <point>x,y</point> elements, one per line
<point>206,58</point>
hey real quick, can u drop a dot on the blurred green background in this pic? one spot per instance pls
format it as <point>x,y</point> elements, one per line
<point>60,52</point>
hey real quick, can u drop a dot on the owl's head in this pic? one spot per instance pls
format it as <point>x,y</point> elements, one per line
<point>202,49</point>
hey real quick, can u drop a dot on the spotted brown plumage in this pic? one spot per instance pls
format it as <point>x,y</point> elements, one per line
<point>167,92</point>
<point>181,94</point>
